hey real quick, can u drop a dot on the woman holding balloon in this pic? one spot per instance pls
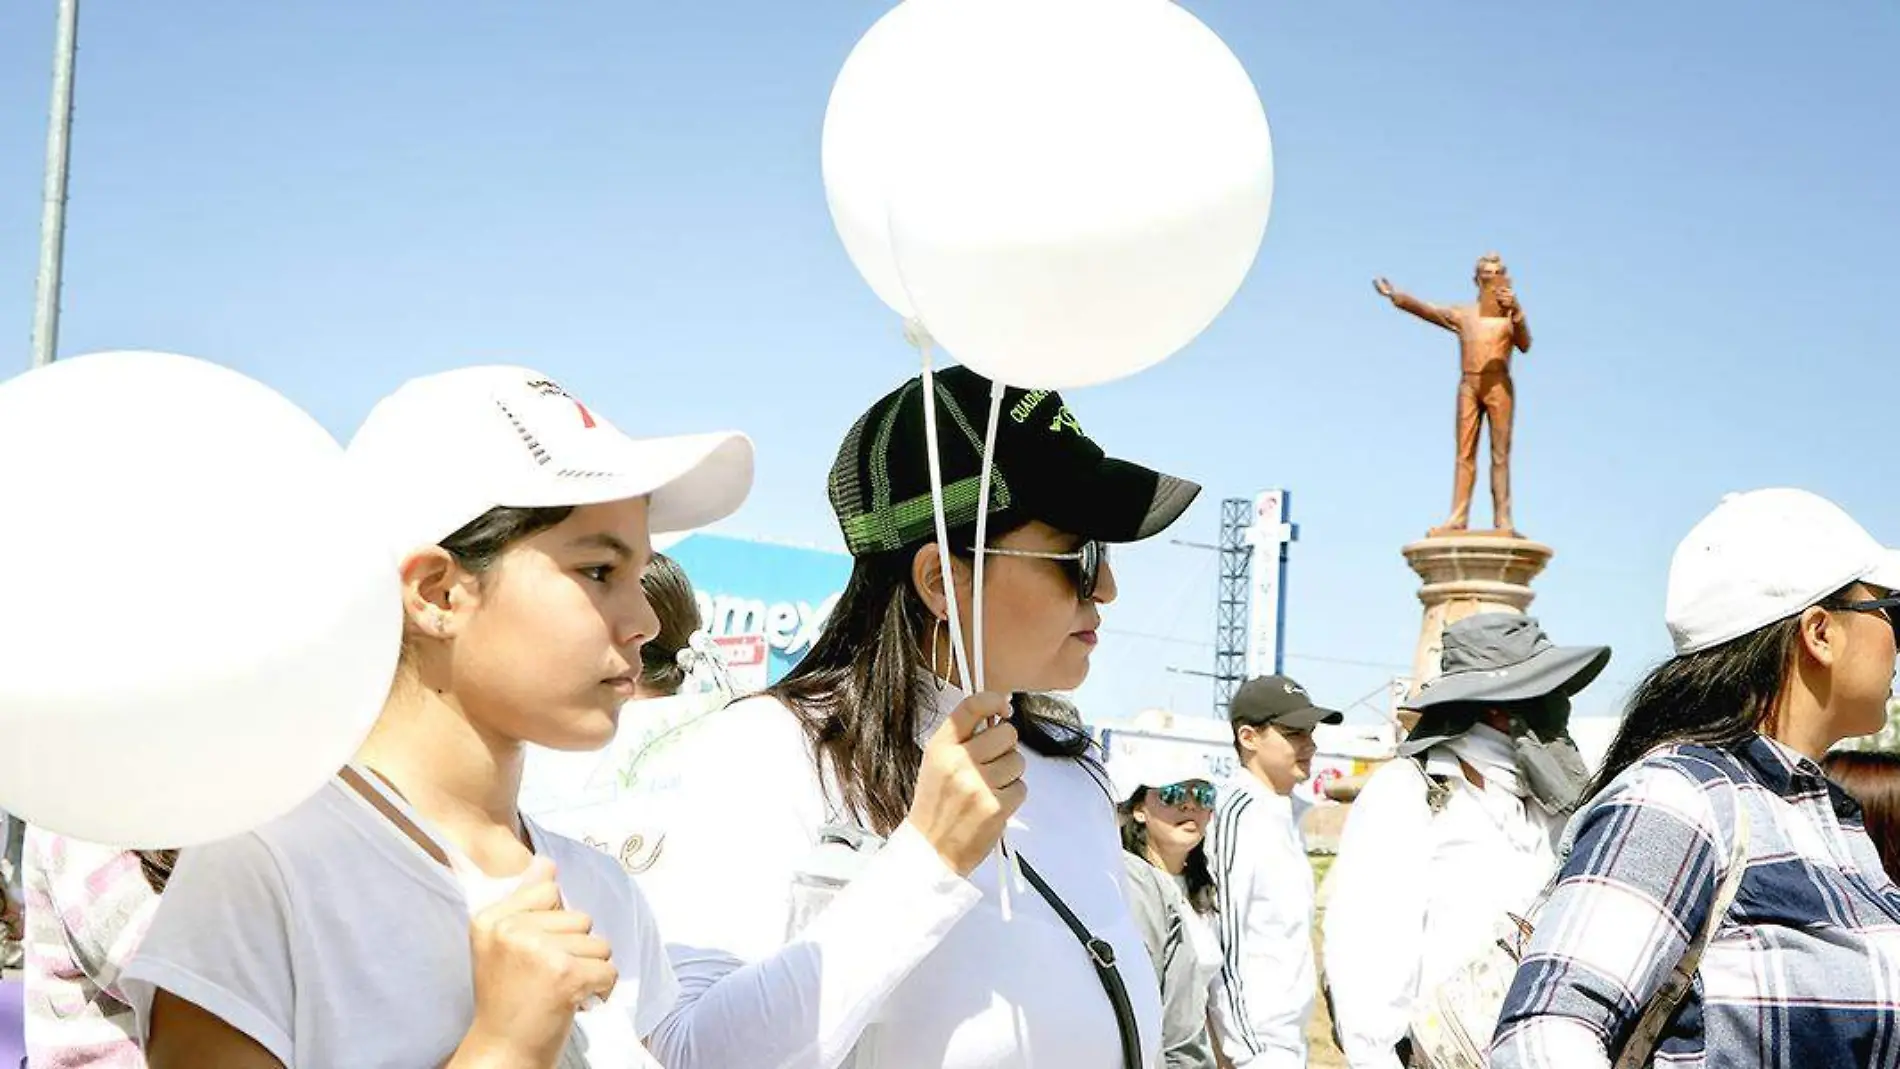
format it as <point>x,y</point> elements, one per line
<point>885,861</point>
<point>408,915</point>
<point>834,882</point>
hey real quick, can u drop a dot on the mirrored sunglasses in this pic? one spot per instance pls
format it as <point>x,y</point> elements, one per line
<point>1176,795</point>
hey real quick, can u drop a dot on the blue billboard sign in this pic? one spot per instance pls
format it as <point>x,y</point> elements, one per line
<point>747,587</point>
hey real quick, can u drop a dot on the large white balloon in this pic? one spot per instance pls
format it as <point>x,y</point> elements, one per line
<point>867,129</point>
<point>197,628</point>
<point>1088,188</point>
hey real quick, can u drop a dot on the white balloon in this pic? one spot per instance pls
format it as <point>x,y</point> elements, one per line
<point>1090,187</point>
<point>867,129</point>
<point>198,628</point>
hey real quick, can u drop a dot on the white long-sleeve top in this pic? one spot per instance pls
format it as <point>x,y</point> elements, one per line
<point>1414,895</point>
<point>1265,921</point>
<point>910,965</point>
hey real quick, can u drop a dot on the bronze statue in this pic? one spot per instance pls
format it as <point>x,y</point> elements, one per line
<point>1487,332</point>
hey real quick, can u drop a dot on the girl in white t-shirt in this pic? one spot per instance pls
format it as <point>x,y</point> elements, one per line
<point>803,943</point>
<point>408,916</point>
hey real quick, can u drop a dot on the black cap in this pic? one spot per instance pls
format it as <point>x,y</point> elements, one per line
<point>1045,469</point>
<point>1279,701</point>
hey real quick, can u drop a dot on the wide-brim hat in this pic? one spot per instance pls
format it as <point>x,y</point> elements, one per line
<point>1494,659</point>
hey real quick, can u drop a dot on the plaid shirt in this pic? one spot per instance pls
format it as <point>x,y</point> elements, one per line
<point>1804,970</point>
<point>87,908</point>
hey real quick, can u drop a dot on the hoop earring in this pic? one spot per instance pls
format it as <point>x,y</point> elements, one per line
<point>936,631</point>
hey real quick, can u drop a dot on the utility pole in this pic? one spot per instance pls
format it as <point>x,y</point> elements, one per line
<point>53,211</point>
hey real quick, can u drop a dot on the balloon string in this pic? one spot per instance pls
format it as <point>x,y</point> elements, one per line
<point>918,336</point>
<point>958,654</point>
<point>973,681</point>
<point>983,523</point>
<point>1009,866</point>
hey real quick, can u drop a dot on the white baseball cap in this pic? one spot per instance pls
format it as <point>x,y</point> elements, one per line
<point>1764,556</point>
<point>1158,765</point>
<point>445,449</point>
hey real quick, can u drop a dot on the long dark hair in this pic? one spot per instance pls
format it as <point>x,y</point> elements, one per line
<point>1720,697</point>
<point>862,688</point>
<point>1873,779</point>
<point>1200,879</point>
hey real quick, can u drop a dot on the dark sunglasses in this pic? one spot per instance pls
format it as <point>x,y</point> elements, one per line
<point>1888,607</point>
<point>1175,795</point>
<point>1084,565</point>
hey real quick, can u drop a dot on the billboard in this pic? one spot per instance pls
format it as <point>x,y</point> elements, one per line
<point>1269,535</point>
<point>748,661</point>
<point>778,593</point>
<point>763,604</point>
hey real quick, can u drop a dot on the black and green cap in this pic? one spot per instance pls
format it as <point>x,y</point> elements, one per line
<point>1045,469</point>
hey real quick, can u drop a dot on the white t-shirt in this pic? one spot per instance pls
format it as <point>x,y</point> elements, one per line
<point>909,965</point>
<point>333,940</point>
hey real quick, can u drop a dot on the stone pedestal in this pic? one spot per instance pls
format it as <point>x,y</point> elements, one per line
<point>1465,574</point>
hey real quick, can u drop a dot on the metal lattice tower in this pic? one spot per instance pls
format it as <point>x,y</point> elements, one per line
<point>1230,610</point>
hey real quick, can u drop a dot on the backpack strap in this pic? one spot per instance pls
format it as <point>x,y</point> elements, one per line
<point>1437,788</point>
<point>1662,1005</point>
<point>396,817</point>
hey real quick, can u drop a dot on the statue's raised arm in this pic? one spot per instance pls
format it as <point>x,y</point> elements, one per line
<point>1437,314</point>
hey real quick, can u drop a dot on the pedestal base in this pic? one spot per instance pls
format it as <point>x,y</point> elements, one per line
<point>1465,574</point>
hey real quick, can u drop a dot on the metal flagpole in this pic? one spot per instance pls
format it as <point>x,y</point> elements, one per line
<point>53,212</point>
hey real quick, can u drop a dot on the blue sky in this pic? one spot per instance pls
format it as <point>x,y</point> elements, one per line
<point>1697,203</point>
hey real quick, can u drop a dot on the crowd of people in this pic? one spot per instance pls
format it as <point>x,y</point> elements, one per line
<point>875,864</point>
